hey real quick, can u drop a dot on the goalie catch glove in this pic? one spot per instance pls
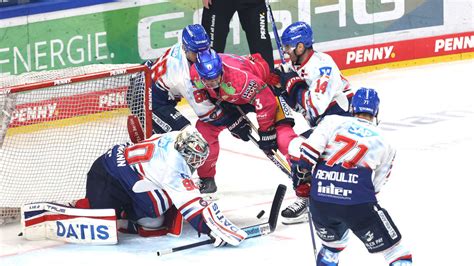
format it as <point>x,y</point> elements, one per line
<point>222,229</point>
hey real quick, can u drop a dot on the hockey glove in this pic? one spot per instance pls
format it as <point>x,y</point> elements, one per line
<point>292,85</point>
<point>240,129</point>
<point>301,180</point>
<point>289,80</point>
<point>268,140</point>
<point>299,175</point>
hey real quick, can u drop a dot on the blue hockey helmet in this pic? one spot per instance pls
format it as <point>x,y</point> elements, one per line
<point>208,64</point>
<point>365,100</point>
<point>298,32</point>
<point>195,38</point>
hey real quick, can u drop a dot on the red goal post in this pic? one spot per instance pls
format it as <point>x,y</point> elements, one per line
<point>54,124</point>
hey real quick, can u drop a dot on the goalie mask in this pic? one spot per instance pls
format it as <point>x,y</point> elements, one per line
<point>192,146</point>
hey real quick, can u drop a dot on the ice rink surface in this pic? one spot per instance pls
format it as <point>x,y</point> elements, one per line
<point>426,111</point>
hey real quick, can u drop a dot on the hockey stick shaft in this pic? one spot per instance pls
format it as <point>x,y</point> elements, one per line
<point>252,231</point>
<point>271,18</point>
<point>311,230</point>
<point>276,158</point>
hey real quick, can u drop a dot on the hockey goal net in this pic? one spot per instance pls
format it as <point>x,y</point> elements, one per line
<point>54,124</point>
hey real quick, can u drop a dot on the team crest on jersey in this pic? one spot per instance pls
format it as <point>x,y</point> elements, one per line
<point>251,90</point>
<point>325,71</point>
<point>198,84</point>
<point>227,87</point>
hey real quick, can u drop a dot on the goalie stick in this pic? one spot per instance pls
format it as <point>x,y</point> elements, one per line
<point>252,231</point>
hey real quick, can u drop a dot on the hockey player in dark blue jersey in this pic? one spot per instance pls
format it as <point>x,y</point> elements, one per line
<point>349,161</point>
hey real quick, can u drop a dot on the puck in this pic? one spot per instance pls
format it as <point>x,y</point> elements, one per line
<point>260,214</point>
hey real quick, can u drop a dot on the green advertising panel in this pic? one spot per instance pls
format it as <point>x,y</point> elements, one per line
<point>144,31</point>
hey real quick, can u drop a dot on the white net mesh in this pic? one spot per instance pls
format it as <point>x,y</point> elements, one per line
<point>33,77</point>
<point>49,137</point>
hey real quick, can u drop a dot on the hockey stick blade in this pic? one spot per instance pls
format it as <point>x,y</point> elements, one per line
<point>276,205</point>
<point>252,231</point>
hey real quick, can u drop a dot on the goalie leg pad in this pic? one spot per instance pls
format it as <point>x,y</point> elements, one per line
<point>221,226</point>
<point>57,222</point>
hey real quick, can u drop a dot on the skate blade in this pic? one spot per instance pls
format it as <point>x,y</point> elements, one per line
<point>301,219</point>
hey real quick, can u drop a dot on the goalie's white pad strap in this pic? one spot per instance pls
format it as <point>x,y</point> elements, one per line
<point>53,221</point>
<point>221,226</point>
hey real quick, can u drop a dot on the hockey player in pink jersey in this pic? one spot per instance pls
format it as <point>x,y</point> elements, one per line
<point>350,160</point>
<point>230,80</point>
<point>312,85</point>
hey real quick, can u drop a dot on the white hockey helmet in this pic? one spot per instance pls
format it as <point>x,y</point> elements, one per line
<point>193,147</point>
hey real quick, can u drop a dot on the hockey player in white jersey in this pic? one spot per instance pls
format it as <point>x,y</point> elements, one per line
<point>313,85</point>
<point>149,187</point>
<point>350,160</point>
<point>171,83</point>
